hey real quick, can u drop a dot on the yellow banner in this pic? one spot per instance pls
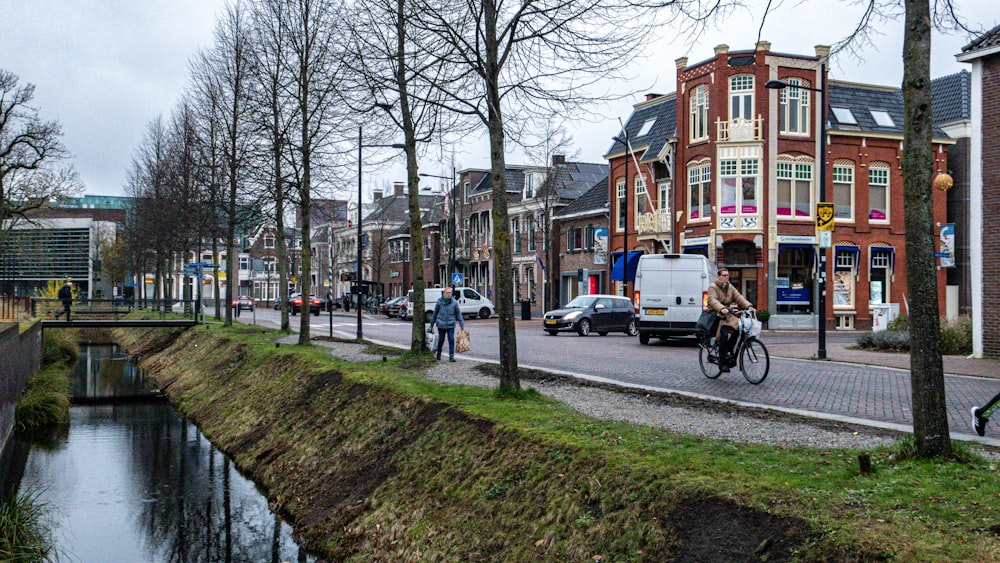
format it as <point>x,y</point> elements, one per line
<point>824,216</point>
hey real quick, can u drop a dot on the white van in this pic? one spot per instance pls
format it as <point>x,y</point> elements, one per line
<point>671,290</point>
<point>470,302</point>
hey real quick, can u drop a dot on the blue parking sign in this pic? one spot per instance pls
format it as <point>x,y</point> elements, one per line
<point>457,279</point>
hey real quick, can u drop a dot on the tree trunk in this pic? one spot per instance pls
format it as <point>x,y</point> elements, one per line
<point>509,378</point>
<point>930,415</point>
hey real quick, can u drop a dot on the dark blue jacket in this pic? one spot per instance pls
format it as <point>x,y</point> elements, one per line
<point>447,313</point>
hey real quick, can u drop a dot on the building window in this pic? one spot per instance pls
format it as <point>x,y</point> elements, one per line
<point>532,233</point>
<point>406,251</point>
<point>741,97</point>
<point>845,268</point>
<point>244,262</point>
<point>573,239</point>
<point>795,190</point>
<point>620,192</point>
<point>793,113</point>
<point>699,113</point>
<point>589,238</point>
<point>700,192</point>
<point>843,192</point>
<point>663,199</point>
<point>739,186</point>
<point>529,186</point>
<point>641,201</point>
<point>515,234</point>
<point>268,241</point>
<point>878,192</point>
<point>427,248</point>
<point>878,291</point>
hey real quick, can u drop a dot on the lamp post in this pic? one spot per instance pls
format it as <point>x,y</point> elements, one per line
<point>780,85</point>
<point>358,277</point>
<point>451,224</point>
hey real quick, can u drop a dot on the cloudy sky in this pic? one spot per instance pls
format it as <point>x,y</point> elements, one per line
<point>106,68</point>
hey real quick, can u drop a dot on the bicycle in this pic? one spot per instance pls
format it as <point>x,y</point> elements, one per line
<point>753,359</point>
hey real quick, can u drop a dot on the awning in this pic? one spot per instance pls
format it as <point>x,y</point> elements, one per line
<point>886,249</point>
<point>617,269</point>
<point>696,249</point>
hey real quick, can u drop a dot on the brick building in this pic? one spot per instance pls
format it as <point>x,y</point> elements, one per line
<point>736,172</point>
<point>984,188</point>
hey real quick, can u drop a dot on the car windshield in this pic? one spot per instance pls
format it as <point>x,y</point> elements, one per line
<point>581,302</point>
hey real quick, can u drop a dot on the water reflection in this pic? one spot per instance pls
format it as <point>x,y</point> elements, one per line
<point>137,482</point>
<point>103,372</point>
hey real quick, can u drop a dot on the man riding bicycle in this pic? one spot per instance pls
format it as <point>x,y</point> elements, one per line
<point>720,295</point>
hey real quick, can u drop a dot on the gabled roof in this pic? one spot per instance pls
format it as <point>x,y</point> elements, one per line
<point>662,111</point>
<point>572,179</point>
<point>393,209</point>
<point>862,100</point>
<point>950,96</point>
<point>985,42</point>
<point>595,199</point>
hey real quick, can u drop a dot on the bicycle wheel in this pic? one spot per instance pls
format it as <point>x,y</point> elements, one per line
<point>710,369</point>
<point>755,362</point>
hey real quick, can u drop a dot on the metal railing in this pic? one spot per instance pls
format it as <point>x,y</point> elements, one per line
<point>111,309</point>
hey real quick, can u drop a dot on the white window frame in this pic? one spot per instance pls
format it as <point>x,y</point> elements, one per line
<point>515,234</point>
<point>532,233</point>
<point>741,97</point>
<point>793,102</point>
<point>529,186</point>
<point>699,113</point>
<point>663,199</point>
<point>843,177</point>
<point>699,175</point>
<point>879,176</point>
<point>740,169</point>
<point>646,127</point>
<point>620,207</point>
<point>268,241</point>
<point>427,248</point>
<point>641,203</point>
<point>796,173</point>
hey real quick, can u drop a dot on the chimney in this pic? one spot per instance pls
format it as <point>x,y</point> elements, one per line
<point>558,159</point>
<point>721,49</point>
<point>681,62</point>
<point>652,96</point>
<point>398,188</point>
<point>377,194</point>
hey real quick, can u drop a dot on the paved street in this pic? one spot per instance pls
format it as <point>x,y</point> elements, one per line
<point>854,386</point>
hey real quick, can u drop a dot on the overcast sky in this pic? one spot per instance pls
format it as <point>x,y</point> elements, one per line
<point>106,68</point>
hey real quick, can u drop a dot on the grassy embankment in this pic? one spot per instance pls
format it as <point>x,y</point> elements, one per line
<point>25,521</point>
<point>372,462</point>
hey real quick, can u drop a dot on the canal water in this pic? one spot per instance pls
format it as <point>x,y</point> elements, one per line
<point>132,480</point>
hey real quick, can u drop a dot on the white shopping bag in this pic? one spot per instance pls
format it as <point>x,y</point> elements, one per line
<point>430,339</point>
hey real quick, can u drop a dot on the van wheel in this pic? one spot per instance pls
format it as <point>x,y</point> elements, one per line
<point>583,328</point>
<point>552,332</point>
<point>484,313</point>
<point>632,330</point>
<point>644,338</point>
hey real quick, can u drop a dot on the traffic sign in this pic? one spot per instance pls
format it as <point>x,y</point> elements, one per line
<point>824,216</point>
<point>457,279</point>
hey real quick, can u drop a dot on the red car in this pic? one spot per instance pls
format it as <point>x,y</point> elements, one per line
<point>315,304</point>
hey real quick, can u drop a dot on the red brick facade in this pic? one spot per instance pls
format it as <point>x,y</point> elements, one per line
<point>991,205</point>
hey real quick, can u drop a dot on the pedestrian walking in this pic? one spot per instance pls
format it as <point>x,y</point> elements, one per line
<point>446,313</point>
<point>980,415</point>
<point>66,295</point>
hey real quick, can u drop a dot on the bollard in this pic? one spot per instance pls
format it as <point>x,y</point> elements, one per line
<point>865,463</point>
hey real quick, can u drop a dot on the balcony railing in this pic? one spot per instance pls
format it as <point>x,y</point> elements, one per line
<point>740,130</point>
<point>653,223</point>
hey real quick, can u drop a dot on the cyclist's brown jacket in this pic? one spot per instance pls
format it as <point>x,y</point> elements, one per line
<point>720,297</point>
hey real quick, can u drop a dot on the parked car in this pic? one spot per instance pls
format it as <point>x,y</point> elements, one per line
<point>244,303</point>
<point>392,307</point>
<point>296,306</point>
<point>592,313</point>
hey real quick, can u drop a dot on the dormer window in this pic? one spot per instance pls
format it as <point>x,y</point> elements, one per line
<point>844,116</point>
<point>529,186</point>
<point>268,241</point>
<point>882,118</point>
<point>741,97</point>
<point>646,127</point>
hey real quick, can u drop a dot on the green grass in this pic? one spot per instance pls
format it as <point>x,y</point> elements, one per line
<point>535,475</point>
<point>46,398</point>
<point>26,530</point>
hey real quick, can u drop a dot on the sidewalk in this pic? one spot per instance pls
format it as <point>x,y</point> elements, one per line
<point>842,352</point>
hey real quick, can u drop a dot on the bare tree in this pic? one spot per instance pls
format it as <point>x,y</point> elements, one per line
<point>30,154</point>
<point>509,60</point>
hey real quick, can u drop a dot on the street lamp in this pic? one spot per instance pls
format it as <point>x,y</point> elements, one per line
<point>780,85</point>
<point>358,277</point>
<point>451,224</point>
<point>628,150</point>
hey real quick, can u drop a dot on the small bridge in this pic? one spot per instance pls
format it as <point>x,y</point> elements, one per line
<point>111,313</point>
